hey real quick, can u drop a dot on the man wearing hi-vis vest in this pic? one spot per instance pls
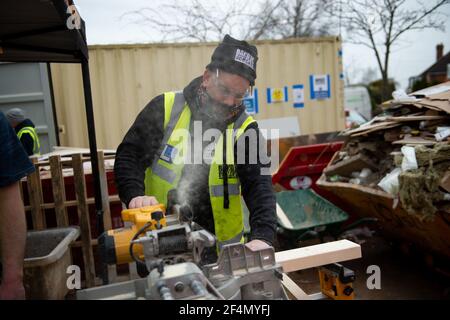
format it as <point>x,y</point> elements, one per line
<point>199,142</point>
<point>25,130</point>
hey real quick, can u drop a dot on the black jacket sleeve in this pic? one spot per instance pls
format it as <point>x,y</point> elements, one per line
<point>257,191</point>
<point>137,150</point>
<point>28,143</point>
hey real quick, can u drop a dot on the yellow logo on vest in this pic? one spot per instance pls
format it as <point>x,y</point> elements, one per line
<point>231,171</point>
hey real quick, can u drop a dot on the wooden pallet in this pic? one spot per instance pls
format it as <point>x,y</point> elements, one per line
<point>60,204</point>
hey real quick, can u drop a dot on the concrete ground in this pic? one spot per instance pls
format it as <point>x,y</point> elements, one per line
<point>402,276</point>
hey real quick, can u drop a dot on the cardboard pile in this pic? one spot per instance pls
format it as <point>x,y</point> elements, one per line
<point>405,152</point>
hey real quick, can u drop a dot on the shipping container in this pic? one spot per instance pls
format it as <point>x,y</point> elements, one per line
<point>299,86</point>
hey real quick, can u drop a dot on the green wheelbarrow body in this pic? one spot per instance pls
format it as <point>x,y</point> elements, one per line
<point>304,215</point>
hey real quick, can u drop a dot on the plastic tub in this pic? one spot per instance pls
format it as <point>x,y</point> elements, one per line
<point>305,162</point>
<point>47,257</point>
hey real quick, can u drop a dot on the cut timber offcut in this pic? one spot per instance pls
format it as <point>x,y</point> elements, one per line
<point>318,255</point>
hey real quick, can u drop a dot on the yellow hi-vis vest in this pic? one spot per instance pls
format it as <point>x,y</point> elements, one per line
<point>165,172</point>
<point>34,136</point>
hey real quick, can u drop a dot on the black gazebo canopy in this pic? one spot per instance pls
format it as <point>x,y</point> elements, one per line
<point>46,31</point>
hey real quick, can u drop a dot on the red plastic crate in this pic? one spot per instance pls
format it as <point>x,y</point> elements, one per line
<point>305,164</point>
<point>302,167</point>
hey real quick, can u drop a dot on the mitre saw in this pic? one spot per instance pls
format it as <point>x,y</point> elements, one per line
<point>169,246</point>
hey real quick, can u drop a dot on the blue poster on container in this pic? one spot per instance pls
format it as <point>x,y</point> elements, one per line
<point>251,102</point>
<point>320,86</point>
<point>298,95</point>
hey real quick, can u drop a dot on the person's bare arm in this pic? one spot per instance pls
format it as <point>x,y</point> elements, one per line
<point>13,238</point>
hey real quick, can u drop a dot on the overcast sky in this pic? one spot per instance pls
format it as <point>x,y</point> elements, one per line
<point>416,52</point>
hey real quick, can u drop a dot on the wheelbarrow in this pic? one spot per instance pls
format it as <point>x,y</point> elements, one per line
<point>303,215</point>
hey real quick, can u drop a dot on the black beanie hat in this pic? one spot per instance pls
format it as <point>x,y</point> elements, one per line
<point>237,57</point>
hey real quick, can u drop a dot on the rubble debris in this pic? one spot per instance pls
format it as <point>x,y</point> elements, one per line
<point>442,133</point>
<point>445,181</point>
<point>390,183</point>
<point>408,139</point>
<point>409,161</point>
<point>418,190</point>
<point>405,151</point>
<point>439,153</point>
<point>361,177</point>
<point>346,166</point>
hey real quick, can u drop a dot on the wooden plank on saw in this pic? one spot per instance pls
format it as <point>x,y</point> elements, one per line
<point>318,255</point>
<point>83,215</point>
<point>59,192</point>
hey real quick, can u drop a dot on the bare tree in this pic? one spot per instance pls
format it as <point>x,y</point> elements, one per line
<point>355,74</point>
<point>186,21</point>
<point>265,21</point>
<point>379,25</point>
<point>369,75</point>
<point>201,20</point>
<point>304,18</point>
<point>283,19</point>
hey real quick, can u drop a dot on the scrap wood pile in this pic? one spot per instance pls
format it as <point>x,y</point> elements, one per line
<point>404,152</point>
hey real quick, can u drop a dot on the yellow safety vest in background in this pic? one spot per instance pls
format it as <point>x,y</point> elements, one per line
<point>165,172</point>
<point>32,132</point>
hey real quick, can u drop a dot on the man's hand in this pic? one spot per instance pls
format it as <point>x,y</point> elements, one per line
<point>256,245</point>
<point>142,201</point>
<point>12,290</point>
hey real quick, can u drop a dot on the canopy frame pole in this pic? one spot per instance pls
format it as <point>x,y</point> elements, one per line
<point>92,144</point>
